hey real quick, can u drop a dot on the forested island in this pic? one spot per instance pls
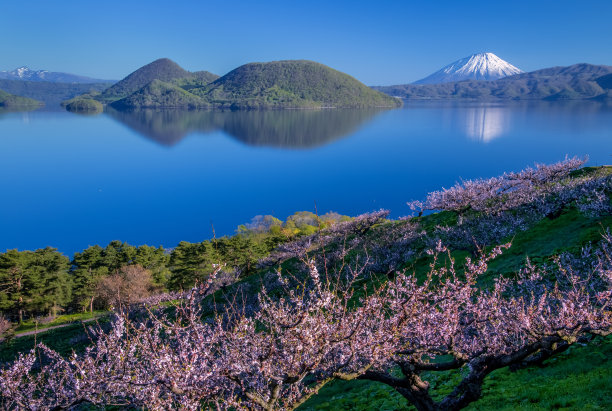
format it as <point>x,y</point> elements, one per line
<point>499,298</point>
<point>10,101</point>
<point>273,85</point>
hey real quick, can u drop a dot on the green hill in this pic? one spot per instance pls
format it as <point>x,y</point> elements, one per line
<point>163,69</point>
<point>290,84</point>
<point>576,82</point>
<point>11,101</point>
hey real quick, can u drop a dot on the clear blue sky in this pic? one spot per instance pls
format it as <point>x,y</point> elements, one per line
<point>378,42</point>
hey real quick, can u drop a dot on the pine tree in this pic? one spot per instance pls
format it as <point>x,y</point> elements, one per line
<point>191,263</point>
<point>87,271</point>
<point>13,266</point>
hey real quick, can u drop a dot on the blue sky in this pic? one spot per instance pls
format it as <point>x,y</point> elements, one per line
<point>379,42</point>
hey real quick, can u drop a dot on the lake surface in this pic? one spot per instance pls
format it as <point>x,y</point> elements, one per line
<point>160,177</point>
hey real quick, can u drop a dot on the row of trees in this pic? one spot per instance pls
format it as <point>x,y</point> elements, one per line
<point>45,282</point>
<point>33,281</point>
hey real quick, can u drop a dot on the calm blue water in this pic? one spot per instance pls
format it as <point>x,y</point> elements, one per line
<point>157,178</point>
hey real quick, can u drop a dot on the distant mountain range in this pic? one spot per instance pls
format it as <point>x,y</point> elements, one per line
<point>26,74</point>
<point>50,88</point>
<point>304,84</point>
<point>481,66</point>
<point>277,84</point>
<point>580,81</point>
<point>52,94</point>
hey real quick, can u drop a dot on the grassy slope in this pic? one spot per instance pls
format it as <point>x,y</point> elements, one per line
<point>579,378</point>
<point>63,340</point>
<point>30,325</point>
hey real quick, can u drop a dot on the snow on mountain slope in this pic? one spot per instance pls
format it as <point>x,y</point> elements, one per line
<point>481,66</point>
<point>26,74</point>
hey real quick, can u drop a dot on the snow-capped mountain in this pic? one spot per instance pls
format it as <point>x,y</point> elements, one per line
<point>481,66</point>
<point>26,74</point>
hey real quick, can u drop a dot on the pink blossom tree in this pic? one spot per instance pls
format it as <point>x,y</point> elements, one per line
<point>510,190</point>
<point>338,320</point>
<point>322,330</point>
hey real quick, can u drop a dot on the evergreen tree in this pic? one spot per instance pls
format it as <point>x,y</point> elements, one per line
<point>241,252</point>
<point>118,254</point>
<point>50,269</point>
<point>13,272</point>
<point>88,269</point>
<point>191,263</point>
<point>33,282</point>
<point>156,261</point>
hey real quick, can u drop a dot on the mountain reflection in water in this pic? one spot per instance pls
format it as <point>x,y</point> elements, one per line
<point>274,128</point>
<point>484,124</point>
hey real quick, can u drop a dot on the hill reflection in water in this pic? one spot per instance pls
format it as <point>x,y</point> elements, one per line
<point>73,181</point>
<point>274,128</point>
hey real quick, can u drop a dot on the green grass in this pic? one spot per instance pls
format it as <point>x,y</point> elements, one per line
<point>566,233</point>
<point>32,324</point>
<point>580,378</point>
<point>64,340</point>
<point>356,395</point>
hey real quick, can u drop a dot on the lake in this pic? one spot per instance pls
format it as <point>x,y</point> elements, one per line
<point>160,177</point>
